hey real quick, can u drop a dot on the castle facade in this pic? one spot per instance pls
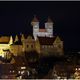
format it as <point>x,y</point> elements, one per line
<point>43,41</point>
<point>45,32</point>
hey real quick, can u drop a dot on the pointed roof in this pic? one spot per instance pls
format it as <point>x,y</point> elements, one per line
<point>46,40</point>
<point>57,39</point>
<point>29,37</point>
<point>22,37</point>
<point>16,38</point>
<point>35,19</point>
<point>11,40</point>
<point>49,20</point>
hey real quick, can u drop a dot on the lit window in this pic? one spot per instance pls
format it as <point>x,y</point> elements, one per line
<point>23,67</point>
<point>10,71</point>
<point>55,45</point>
<point>78,68</point>
<point>49,46</point>
<point>19,72</point>
<point>43,46</point>
<point>22,72</point>
<point>28,73</point>
<point>13,71</point>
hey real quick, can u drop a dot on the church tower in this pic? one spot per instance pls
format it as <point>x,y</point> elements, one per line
<point>35,24</point>
<point>49,27</point>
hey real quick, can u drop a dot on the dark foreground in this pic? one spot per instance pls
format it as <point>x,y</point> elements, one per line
<point>47,67</point>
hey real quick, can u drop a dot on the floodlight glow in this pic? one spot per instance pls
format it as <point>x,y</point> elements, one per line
<point>76,68</point>
<point>23,67</point>
<point>3,47</point>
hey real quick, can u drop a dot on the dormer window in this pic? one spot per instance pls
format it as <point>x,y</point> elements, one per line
<point>43,46</point>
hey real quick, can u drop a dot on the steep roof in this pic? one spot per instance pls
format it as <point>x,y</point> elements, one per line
<point>35,19</point>
<point>49,20</point>
<point>18,41</point>
<point>46,40</point>
<point>6,39</point>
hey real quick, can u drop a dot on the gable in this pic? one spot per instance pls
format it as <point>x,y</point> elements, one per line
<point>57,40</point>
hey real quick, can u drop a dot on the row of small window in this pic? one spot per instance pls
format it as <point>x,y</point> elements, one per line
<point>45,46</point>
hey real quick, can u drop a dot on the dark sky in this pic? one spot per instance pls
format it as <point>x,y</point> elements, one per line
<point>15,17</point>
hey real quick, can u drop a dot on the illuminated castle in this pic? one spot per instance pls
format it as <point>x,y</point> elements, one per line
<point>42,41</point>
<point>47,31</point>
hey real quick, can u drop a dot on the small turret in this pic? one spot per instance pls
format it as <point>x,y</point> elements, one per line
<point>34,21</point>
<point>49,27</point>
<point>35,24</point>
<point>11,40</point>
<point>16,39</point>
<point>49,23</point>
<point>49,20</point>
<point>22,37</point>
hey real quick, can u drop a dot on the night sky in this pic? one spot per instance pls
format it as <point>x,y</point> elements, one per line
<point>15,17</point>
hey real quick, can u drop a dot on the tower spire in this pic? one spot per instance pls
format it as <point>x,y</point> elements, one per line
<point>22,37</point>
<point>16,38</point>
<point>11,40</point>
<point>49,27</point>
<point>49,19</point>
<point>34,20</point>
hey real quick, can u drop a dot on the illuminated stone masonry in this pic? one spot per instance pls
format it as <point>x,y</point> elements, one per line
<point>42,41</point>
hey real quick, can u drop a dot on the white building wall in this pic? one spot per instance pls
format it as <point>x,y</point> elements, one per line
<point>49,29</point>
<point>48,33</point>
